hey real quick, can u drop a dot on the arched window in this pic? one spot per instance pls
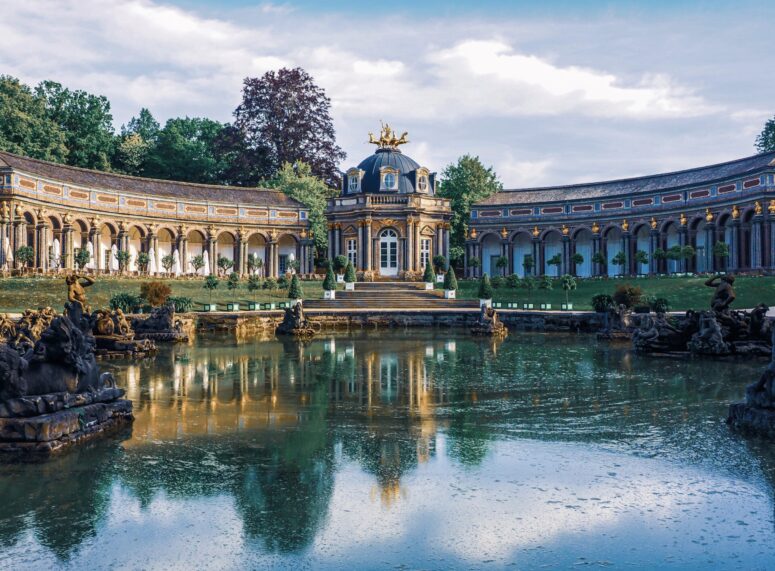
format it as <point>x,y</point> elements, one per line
<point>390,181</point>
<point>422,183</point>
<point>353,184</point>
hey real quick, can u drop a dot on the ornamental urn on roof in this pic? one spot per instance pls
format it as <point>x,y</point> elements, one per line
<point>757,208</point>
<point>735,212</point>
<point>708,215</point>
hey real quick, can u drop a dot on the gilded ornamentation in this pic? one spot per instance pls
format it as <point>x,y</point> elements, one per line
<point>625,225</point>
<point>387,138</point>
<point>473,233</point>
<point>683,219</point>
<point>757,208</point>
<point>708,215</point>
<point>303,234</point>
<point>595,228</point>
<point>536,232</point>
<point>653,223</point>
<point>565,230</point>
<point>735,212</point>
<point>504,233</point>
<point>18,211</point>
<point>67,218</point>
<point>771,207</point>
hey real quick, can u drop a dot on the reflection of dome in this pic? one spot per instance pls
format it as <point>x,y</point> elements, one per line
<point>372,168</point>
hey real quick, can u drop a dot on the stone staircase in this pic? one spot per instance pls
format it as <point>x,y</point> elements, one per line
<point>375,296</point>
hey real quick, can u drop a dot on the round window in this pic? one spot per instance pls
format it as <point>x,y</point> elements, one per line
<point>390,180</point>
<point>353,183</point>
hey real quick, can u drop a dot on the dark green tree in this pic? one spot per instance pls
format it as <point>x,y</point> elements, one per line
<point>211,284</point>
<point>86,122</point>
<point>233,283</point>
<point>528,262</point>
<point>329,283</point>
<point>485,288</point>
<point>765,141</point>
<point>137,140</point>
<point>465,183</point>
<point>349,273</point>
<point>555,261</point>
<point>450,281</point>
<point>295,290</point>
<point>25,128</point>
<point>184,151</point>
<point>429,276</point>
<point>82,257</point>
<point>254,284</point>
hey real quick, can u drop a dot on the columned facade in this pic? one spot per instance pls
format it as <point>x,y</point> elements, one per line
<point>704,220</point>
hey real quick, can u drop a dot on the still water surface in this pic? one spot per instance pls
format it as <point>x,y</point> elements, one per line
<point>413,449</point>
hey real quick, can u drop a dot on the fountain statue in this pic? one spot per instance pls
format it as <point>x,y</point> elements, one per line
<point>294,323</point>
<point>488,324</point>
<point>756,414</point>
<point>719,331</point>
<point>160,326</point>
<point>52,393</point>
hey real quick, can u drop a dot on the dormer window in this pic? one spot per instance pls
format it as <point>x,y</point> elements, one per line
<point>422,183</point>
<point>352,185</point>
<point>389,182</point>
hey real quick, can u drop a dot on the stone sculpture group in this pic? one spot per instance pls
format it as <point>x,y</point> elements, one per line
<point>488,324</point>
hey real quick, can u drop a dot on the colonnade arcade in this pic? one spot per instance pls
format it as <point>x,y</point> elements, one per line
<point>612,247</point>
<point>56,236</point>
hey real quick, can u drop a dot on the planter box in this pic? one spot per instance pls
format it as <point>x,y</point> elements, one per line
<point>546,306</point>
<point>340,278</point>
<point>485,302</point>
<point>252,306</point>
<point>329,294</point>
<point>440,279</point>
<point>211,307</point>
<point>512,305</point>
<point>232,307</point>
<point>567,306</point>
<point>349,286</point>
<point>449,294</point>
<point>429,285</point>
<point>527,306</point>
<point>497,305</point>
<point>293,302</point>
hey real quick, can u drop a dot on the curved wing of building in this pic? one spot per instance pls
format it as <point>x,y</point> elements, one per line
<point>57,209</point>
<point>643,225</point>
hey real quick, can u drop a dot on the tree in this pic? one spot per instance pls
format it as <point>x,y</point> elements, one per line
<point>577,260</point>
<point>254,263</point>
<point>184,151</point>
<point>25,128</point>
<point>659,254</point>
<point>439,264</point>
<point>297,181</point>
<point>529,283</point>
<point>123,258</point>
<point>197,262</point>
<point>620,259</point>
<point>465,183</point>
<point>688,252</point>
<point>340,263</point>
<point>224,263</point>
<point>349,273</point>
<point>429,276</point>
<point>233,283</point>
<point>502,263</point>
<point>86,122</point>
<point>288,115</point>
<point>329,283</point>
<point>167,262</point>
<point>210,284</point>
<point>555,261</point>
<point>765,141</point>
<point>155,292</point>
<point>242,164</point>
<point>599,258</point>
<point>545,283</point>
<point>721,250</point>
<point>474,262</point>
<point>81,258</point>
<point>568,284</point>
<point>527,264</point>
<point>135,143</point>
<point>24,256</point>
<point>641,257</point>
<point>485,288</point>
<point>254,284</point>
<point>295,290</point>
<point>450,281</point>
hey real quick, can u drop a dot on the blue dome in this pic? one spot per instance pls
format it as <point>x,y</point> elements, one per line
<point>405,166</point>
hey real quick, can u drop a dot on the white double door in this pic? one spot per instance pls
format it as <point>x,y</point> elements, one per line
<point>388,253</point>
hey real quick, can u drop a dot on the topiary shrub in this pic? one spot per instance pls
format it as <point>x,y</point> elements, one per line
<point>329,284</point>
<point>602,302</point>
<point>282,282</point>
<point>270,283</point>
<point>485,287</point>
<point>340,263</point>
<point>182,304</point>
<point>429,276</point>
<point>126,302</point>
<point>627,295</point>
<point>450,281</point>
<point>349,273</point>
<point>512,281</point>
<point>440,263</point>
<point>155,293</point>
<point>295,291</point>
<point>659,304</point>
<point>545,283</point>
<point>497,282</point>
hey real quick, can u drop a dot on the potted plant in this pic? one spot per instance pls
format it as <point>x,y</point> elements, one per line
<point>123,258</point>
<point>641,258</point>
<point>349,277</point>
<point>546,284</point>
<point>440,265</point>
<point>529,283</point>
<point>502,263</point>
<point>81,258</point>
<point>340,263</point>
<point>599,259</point>
<point>211,283</point>
<point>167,262</point>
<point>620,259</point>
<point>329,284</point>
<point>197,263</point>
<point>143,259</point>
<point>474,263</point>
<point>568,284</point>
<point>577,260</point>
<point>485,291</point>
<point>429,277</point>
<point>232,283</point>
<point>23,256</point>
<point>255,263</point>
<point>295,292</point>
<point>555,261</point>
<point>528,263</point>
<point>450,284</point>
<point>253,285</point>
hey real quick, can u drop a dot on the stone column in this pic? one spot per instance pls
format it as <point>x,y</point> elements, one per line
<point>537,266</point>
<point>710,241</point>
<point>683,240</point>
<point>734,245</point>
<point>653,245</point>
<point>211,244</point>
<point>68,255</point>
<point>410,266</point>
<point>368,263</point>
<point>4,219</point>
<point>770,238</point>
<point>331,250</point>
<point>41,251</point>
<point>566,254</point>
<point>756,242</point>
<point>183,251</point>
<point>94,239</point>
<point>597,248</point>
<point>626,239</point>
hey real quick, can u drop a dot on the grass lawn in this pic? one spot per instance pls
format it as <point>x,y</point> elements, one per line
<point>18,294</point>
<point>682,293</point>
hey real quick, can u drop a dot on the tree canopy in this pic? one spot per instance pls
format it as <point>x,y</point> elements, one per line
<point>464,183</point>
<point>765,141</point>
<point>288,115</point>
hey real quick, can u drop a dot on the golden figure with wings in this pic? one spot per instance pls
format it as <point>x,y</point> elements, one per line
<point>387,138</point>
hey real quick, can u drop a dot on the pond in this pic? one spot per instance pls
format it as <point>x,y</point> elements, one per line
<point>412,449</point>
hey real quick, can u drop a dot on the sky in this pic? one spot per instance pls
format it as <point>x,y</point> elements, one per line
<point>545,92</point>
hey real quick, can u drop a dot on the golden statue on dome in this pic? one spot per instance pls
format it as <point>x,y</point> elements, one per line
<point>387,138</point>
